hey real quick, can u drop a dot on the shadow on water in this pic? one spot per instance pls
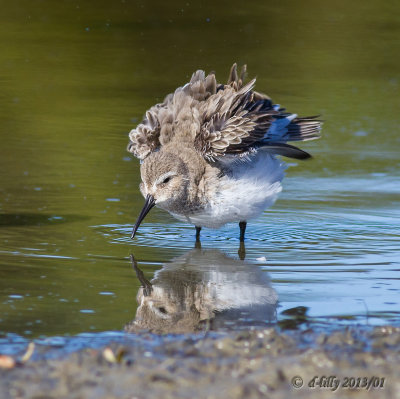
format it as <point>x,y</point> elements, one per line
<point>204,290</point>
<point>294,317</point>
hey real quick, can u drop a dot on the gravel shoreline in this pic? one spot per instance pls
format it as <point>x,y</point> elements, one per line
<point>360,362</point>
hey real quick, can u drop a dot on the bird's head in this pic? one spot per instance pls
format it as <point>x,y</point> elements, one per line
<point>165,182</point>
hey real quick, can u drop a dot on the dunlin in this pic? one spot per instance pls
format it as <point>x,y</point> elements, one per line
<point>209,151</point>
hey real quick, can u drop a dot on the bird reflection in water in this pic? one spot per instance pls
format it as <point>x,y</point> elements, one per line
<point>203,290</point>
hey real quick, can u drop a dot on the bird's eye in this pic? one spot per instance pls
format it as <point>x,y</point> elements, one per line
<point>162,310</point>
<point>167,179</point>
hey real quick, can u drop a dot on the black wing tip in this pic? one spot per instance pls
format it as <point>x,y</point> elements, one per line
<point>300,154</point>
<point>305,156</point>
<point>286,150</point>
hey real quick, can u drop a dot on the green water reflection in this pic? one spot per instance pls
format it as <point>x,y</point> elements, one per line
<point>77,76</point>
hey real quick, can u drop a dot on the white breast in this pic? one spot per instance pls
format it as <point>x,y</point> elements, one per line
<point>253,187</point>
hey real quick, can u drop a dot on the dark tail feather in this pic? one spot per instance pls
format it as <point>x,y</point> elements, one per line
<point>302,129</point>
<point>286,150</point>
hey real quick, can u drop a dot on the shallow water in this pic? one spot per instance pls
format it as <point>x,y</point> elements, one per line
<point>76,78</point>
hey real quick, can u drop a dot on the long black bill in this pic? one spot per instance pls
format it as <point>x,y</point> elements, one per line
<point>150,202</point>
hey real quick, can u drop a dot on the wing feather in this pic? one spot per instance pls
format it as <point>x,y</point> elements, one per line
<point>237,120</point>
<point>230,119</point>
<point>158,125</point>
<point>145,138</point>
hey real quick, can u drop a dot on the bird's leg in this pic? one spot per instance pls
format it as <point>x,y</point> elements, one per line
<point>198,229</point>
<point>242,226</point>
<point>242,249</point>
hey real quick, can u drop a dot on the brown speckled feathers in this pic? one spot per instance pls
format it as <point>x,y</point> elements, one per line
<point>218,119</point>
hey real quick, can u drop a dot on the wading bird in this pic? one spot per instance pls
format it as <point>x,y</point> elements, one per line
<point>209,151</point>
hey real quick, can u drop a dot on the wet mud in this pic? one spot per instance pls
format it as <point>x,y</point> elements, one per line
<point>360,362</point>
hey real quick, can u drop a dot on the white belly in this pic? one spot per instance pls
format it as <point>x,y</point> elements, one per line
<point>253,188</point>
